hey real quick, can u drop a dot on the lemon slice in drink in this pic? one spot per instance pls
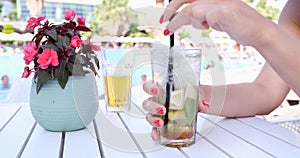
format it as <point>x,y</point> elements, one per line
<point>177,99</point>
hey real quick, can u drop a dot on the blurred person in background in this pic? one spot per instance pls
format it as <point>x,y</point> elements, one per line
<point>5,82</point>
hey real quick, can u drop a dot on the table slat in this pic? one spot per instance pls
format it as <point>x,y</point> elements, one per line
<point>205,148</point>
<point>141,130</point>
<point>114,138</point>
<point>6,112</point>
<point>17,132</point>
<point>82,143</point>
<point>228,142</point>
<point>43,143</point>
<point>259,139</point>
<point>273,129</point>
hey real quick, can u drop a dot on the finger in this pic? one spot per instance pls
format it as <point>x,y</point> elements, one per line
<point>155,134</point>
<point>181,18</point>
<point>199,15</point>
<point>171,9</point>
<point>214,18</point>
<point>199,23</point>
<point>151,88</point>
<point>154,121</point>
<point>153,107</point>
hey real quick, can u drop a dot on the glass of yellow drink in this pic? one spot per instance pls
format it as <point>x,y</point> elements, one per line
<point>178,79</point>
<point>117,71</point>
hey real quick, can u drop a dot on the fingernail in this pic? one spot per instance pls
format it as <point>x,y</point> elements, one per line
<point>204,103</point>
<point>166,32</point>
<point>154,91</point>
<point>161,19</point>
<point>157,123</point>
<point>199,110</point>
<point>205,25</point>
<point>160,110</point>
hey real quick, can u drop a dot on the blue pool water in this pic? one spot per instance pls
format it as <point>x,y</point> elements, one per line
<point>13,65</point>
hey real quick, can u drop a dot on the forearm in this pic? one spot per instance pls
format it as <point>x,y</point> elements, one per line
<point>240,100</point>
<point>281,50</point>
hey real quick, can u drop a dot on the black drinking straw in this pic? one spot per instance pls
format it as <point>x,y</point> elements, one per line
<point>169,85</point>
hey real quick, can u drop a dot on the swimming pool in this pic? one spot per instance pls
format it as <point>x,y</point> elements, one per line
<point>13,65</point>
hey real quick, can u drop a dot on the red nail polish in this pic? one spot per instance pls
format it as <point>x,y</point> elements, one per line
<point>204,103</point>
<point>166,32</point>
<point>157,123</point>
<point>161,19</point>
<point>160,111</point>
<point>154,91</point>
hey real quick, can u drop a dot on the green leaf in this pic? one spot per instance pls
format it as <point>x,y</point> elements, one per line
<point>80,59</point>
<point>75,69</point>
<point>190,110</point>
<point>63,77</point>
<point>71,32</point>
<point>62,74</point>
<point>43,76</point>
<point>63,42</point>
<point>92,67</point>
<point>50,46</point>
<point>82,28</point>
<point>38,37</point>
<point>97,62</point>
<point>51,33</point>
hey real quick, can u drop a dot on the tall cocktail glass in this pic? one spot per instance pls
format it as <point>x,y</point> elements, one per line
<point>176,72</point>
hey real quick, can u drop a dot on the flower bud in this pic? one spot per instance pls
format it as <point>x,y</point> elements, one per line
<point>70,15</point>
<point>81,20</point>
<point>26,72</point>
<point>75,42</point>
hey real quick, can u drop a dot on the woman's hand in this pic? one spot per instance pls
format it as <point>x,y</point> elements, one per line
<point>240,21</point>
<point>155,109</point>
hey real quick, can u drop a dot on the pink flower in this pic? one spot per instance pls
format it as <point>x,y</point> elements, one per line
<point>70,15</point>
<point>93,46</point>
<point>48,57</point>
<point>81,20</point>
<point>30,52</point>
<point>75,41</point>
<point>26,72</point>
<point>34,22</point>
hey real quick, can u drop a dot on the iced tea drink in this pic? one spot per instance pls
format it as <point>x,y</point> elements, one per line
<point>117,71</point>
<point>180,121</point>
<point>179,82</point>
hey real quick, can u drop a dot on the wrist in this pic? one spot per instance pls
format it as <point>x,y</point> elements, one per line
<point>204,93</point>
<point>267,37</point>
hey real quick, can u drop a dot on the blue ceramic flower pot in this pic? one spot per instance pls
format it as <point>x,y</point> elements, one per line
<point>69,109</point>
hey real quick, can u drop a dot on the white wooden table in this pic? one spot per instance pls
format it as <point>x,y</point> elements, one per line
<point>125,135</point>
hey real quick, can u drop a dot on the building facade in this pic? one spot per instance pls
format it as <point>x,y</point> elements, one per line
<point>54,9</point>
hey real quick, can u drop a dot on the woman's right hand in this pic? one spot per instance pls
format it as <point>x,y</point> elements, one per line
<point>155,109</point>
<point>235,17</point>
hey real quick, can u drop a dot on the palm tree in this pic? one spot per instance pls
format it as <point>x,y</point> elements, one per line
<point>112,17</point>
<point>262,7</point>
<point>35,7</point>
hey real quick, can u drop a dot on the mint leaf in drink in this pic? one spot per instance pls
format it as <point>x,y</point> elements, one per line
<point>190,108</point>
